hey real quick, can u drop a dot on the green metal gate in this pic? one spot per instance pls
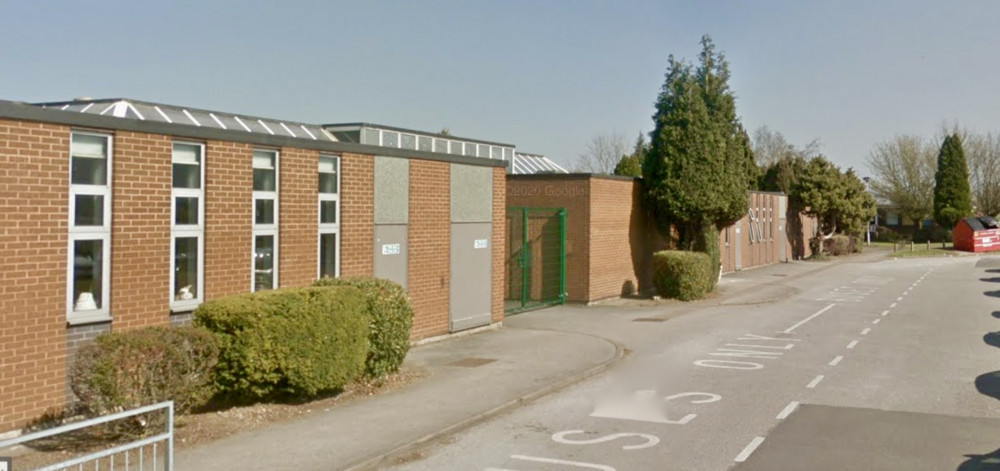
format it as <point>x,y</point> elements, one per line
<point>536,258</point>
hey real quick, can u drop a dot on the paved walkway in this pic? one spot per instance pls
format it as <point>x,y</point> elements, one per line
<point>470,378</point>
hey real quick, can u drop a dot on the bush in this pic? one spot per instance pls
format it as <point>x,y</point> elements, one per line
<point>296,342</point>
<point>683,275</point>
<point>933,233</point>
<point>134,368</point>
<point>839,245</point>
<point>391,319</point>
<point>884,234</point>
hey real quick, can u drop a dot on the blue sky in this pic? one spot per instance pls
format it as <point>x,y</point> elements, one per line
<point>546,75</point>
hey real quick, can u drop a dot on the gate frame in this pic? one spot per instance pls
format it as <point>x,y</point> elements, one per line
<point>523,260</point>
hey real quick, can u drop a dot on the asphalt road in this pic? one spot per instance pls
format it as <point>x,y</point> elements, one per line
<point>881,365</point>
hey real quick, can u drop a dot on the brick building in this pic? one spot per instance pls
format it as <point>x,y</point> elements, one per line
<point>119,214</point>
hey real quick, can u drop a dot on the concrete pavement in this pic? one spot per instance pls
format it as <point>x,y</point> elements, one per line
<point>472,378</point>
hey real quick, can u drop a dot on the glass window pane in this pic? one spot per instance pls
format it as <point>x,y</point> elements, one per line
<point>87,274</point>
<point>327,164</point>
<point>263,263</point>
<point>263,211</point>
<point>186,210</point>
<point>89,171</point>
<point>470,149</point>
<point>89,210</point>
<point>370,137</point>
<point>185,268</point>
<point>187,154</point>
<point>327,255</point>
<point>424,143</point>
<point>86,145</point>
<point>327,183</point>
<point>441,146</point>
<point>328,212</point>
<point>263,179</point>
<point>187,176</point>
<point>484,151</point>
<point>263,159</point>
<point>508,153</point>
<point>455,148</point>
<point>409,141</point>
<point>390,139</point>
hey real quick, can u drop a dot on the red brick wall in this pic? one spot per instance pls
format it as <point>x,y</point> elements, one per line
<point>499,241</point>
<point>617,237</point>
<point>34,182</point>
<point>357,227</point>
<point>429,282</point>
<point>140,230</point>
<point>228,218</point>
<point>298,256</point>
<point>560,192</point>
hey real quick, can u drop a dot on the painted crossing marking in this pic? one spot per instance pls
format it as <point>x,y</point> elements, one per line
<point>812,384</point>
<point>836,360</point>
<point>865,332</point>
<point>787,411</point>
<point>749,449</point>
<point>885,312</point>
<point>892,305</point>
<point>876,321</point>
<point>852,344</point>
<point>803,321</point>
<point>899,298</point>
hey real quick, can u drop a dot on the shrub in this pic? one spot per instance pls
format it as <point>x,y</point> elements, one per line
<point>391,319</point>
<point>120,371</point>
<point>295,342</point>
<point>884,234</point>
<point>838,245</point>
<point>683,275</point>
<point>933,233</point>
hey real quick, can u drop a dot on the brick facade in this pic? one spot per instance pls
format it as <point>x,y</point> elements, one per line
<point>499,242</point>
<point>229,214</point>
<point>429,263</point>
<point>357,203</point>
<point>298,253</point>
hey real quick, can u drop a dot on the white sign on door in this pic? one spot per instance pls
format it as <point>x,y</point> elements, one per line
<point>480,244</point>
<point>390,249</point>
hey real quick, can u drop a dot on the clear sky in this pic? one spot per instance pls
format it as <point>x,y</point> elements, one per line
<point>544,75</point>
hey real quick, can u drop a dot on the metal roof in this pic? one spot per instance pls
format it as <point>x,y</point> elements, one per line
<point>360,125</point>
<point>155,112</point>
<point>527,164</point>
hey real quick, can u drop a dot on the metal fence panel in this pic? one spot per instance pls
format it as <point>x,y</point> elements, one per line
<point>536,258</point>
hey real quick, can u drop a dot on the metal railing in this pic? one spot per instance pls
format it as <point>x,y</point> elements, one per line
<point>127,462</point>
<point>536,258</point>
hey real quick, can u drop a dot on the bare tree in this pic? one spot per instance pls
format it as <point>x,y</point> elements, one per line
<point>603,152</point>
<point>903,170</point>
<point>771,147</point>
<point>982,151</point>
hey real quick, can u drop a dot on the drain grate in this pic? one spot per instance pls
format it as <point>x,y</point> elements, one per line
<point>648,319</point>
<point>471,362</point>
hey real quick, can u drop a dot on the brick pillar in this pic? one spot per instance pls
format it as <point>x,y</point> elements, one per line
<point>298,226</point>
<point>357,204</point>
<point>228,218</point>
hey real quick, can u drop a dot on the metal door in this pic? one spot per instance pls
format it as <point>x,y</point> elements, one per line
<point>471,275</point>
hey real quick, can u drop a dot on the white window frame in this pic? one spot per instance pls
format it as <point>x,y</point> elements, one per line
<point>328,228</point>
<point>102,233</point>
<point>266,229</point>
<point>188,231</point>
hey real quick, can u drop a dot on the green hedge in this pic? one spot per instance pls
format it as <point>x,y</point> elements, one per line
<point>683,275</point>
<point>119,371</point>
<point>391,317</point>
<point>297,342</point>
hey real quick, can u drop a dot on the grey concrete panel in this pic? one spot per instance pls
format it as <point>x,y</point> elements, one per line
<point>738,243</point>
<point>391,252</point>
<point>392,190</point>
<point>471,275</point>
<point>471,193</point>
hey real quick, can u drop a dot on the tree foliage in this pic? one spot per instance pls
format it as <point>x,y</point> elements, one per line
<point>952,196</point>
<point>839,200</point>
<point>631,165</point>
<point>982,152</point>
<point>700,163</point>
<point>903,170</point>
<point>603,152</point>
<point>770,147</point>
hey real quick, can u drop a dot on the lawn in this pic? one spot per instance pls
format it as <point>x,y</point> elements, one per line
<point>922,250</point>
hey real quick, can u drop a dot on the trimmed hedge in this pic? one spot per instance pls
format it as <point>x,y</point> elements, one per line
<point>297,342</point>
<point>839,245</point>
<point>683,275</point>
<point>391,317</point>
<point>134,368</point>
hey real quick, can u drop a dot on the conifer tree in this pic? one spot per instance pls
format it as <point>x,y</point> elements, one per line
<point>952,196</point>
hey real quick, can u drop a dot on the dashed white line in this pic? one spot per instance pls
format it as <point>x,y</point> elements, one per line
<point>853,344</point>
<point>812,384</point>
<point>885,312</point>
<point>803,321</point>
<point>876,321</point>
<point>836,360</point>
<point>865,332</point>
<point>899,298</point>
<point>892,305</point>
<point>749,449</point>
<point>788,410</point>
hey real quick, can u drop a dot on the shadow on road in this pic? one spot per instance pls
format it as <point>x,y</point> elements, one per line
<point>990,462</point>
<point>995,294</point>
<point>995,279</point>
<point>996,314</point>
<point>992,338</point>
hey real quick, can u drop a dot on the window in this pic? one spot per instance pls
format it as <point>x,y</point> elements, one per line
<point>265,220</point>
<point>89,264</point>
<point>329,216</point>
<point>187,226</point>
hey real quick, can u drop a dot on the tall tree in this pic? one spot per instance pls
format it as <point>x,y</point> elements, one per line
<point>839,200</point>
<point>903,170</point>
<point>603,152</point>
<point>952,196</point>
<point>631,165</point>
<point>771,147</point>
<point>982,152</point>
<point>700,163</point>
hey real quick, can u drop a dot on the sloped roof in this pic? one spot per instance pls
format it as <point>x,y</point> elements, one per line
<point>527,164</point>
<point>144,111</point>
<point>982,224</point>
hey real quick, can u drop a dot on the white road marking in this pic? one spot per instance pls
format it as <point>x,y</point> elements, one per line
<point>812,384</point>
<point>885,312</point>
<point>892,305</point>
<point>876,321</point>
<point>578,464</point>
<point>749,449</point>
<point>787,411</point>
<point>803,321</point>
<point>865,332</point>
<point>852,344</point>
<point>836,360</point>
<point>899,298</point>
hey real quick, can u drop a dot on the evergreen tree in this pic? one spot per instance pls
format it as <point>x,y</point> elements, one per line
<point>952,196</point>
<point>631,165</point>
<point>839,201</point>
<point>700,164</point>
